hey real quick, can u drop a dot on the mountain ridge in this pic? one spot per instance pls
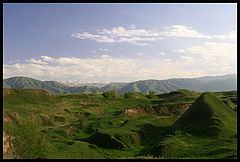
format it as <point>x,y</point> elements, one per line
<point>205,83</point>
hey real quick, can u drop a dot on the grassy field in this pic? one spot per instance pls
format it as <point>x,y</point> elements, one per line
<point>38,124</point>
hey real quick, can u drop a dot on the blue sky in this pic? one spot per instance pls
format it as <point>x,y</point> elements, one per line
<point>118,42</point>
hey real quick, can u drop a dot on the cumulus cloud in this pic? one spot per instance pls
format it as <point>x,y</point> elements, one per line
<point>132,26</point>
<point>208,58</point>
<point>98,38</point>
<point>65,68</point>
<point>36,61</point>
<point>47,58</point>
<point>140,37</point>
<point>122,32</point>
<point>104,68</point>
<point>188,59</point>
<point>162,53</point>
<point>140,54</point>
<point>213,55</point>
<point>184,31</point>
<point>232,35</point>
<point>104,49</point>
<point>179,51</point>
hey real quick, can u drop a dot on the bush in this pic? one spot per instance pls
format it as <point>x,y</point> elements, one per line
<point>106,94</point>
<point>128,95</point>
<point>151,95</point>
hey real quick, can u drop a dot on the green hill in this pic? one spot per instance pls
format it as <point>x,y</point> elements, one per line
<point>207,115</point>
<point>39,124</point>
<point>208,122</point>
<point>181,95</point>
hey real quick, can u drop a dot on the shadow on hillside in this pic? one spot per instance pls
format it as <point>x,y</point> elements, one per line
<point>157,101</point>
<point>149,136</point>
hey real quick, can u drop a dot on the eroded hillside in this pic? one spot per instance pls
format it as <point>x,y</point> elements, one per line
<point>83,126</point>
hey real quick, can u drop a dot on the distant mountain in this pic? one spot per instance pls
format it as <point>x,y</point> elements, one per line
<point>77,83</point>
<point>51,86</point>
<point>202,84</point>
<point>111,86</point>
<point>29,83</point>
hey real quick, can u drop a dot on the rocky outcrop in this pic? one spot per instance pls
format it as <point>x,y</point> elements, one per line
<point>8,150</point>
<point>230,104</point>
<point>163,109</point>
<point>171,109</point>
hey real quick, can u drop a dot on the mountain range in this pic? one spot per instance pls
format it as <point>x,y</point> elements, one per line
<point>201,84</point>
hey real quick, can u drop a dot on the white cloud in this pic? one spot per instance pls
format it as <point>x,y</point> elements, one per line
<point>162,53</point>
<point>183,31</point>
<point>104,68</point>
<point>139,37</point>
<point>36,61</point>
<point>187,58</point>
<point>98,38</point>
<point>104,49</point>
<point>209,58</point>
<point>140,54</point>
<point>179,50</point>
<point>120,34</point>
<point>213,56</point>
<point>132,26</point>
<point>220,36</point>
<point>232,35</point>
<point>47,58</point>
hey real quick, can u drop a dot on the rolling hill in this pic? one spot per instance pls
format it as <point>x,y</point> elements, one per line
<point>179,124</point>
<point>208,118</point>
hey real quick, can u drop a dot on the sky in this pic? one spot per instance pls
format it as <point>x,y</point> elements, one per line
<point>117,42</point>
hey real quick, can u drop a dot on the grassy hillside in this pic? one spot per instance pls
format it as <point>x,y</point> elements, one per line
<point>208,122</point>
<point>38,124</point>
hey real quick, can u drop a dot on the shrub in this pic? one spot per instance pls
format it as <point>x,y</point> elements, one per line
<point>128,95</point>
<point>106,94</point>
<point>151,95</point>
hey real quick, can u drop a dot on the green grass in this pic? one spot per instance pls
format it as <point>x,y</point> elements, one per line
<point>210,124</point>
<point>83,126</point>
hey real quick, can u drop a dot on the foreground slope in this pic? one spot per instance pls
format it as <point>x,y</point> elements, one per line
<point>78,126</point>
<point>66,125</point>
<point>208,129</point>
